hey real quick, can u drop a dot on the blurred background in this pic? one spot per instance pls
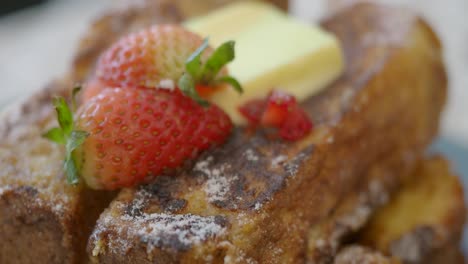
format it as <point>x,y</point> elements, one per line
<point>36,45</point>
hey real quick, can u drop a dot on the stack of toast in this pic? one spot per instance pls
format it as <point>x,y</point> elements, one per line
<point>361,189</point>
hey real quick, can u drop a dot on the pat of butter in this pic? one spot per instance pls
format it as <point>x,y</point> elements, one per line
<point>273,50</point>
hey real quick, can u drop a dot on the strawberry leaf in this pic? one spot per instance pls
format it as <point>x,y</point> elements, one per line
<point>56,135</point>
<point>65,135</point>
<point>231,81</point>
<point>187,86</point>
<point>223,55</point>
<point>197,72</point>
<point>193,65</point>
<point>75,140</point>
<point>73,176</point>
<point>64,115</point>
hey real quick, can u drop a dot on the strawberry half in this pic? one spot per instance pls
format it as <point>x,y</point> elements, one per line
<point>165,56</point>
<point>135,134</point>
<point>148,57</point>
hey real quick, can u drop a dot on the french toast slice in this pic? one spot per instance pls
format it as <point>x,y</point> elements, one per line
<point>424,221</point>
<point>421,222</point>
<point>255,200</point>
<point>42,219</point>
<point>358,254</point>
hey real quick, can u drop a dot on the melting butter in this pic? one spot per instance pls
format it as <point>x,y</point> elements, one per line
<point>273,50</point>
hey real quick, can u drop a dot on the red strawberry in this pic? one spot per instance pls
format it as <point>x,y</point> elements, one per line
<point>92,88</point>
<point>148,57</point>
<point>279,106</point>
<point>166,56</point>
<point>253,110</point>
<point>296,126</point>
<point>280,110</point>
<point>135,134</point>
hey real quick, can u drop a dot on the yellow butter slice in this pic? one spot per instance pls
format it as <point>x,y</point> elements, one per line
<point>273,50</point>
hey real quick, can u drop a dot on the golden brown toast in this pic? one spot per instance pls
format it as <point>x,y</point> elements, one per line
<point>260,197</point>
<point>42,220</point>
<point>425,217</point>
<point>421,224</point>
<point>357,254</point>
<point>255,200</point>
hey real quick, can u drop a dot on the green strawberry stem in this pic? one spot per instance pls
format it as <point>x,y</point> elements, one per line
<point>66,135</point>
<point>207,73</point>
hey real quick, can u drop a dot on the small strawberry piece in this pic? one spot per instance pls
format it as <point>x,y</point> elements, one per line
<point>280,110</point>
<point>253,110</point>
<point>126,136</point>
<point>279,106</point>
<point>296,126</point>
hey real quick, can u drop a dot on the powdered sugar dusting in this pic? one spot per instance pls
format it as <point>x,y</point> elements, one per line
<point>58,207</point>
<point>218,187</point>
<point>257,206</point>
<point>250,155</point>
<point>203,165</point>
<point>359,254</point>
<point>290,166</point>
<point>276,161</point>
<point>139,201</point>
<point>239,257</point>
<point>160,230</point>
<point>4,189</point>
<point>219,183</point>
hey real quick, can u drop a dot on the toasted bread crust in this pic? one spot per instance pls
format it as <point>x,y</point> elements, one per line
<point>423,219</point>
<point>267,195</point>
<point>421,223</point>
<point>356,254</point>
<point>37,208</point>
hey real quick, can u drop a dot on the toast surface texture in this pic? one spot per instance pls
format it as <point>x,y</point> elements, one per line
<point>424,220</point>
<point>38,209</point>
<point>255,200</point>
<point>356,254</point>
<point>421,224</point>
